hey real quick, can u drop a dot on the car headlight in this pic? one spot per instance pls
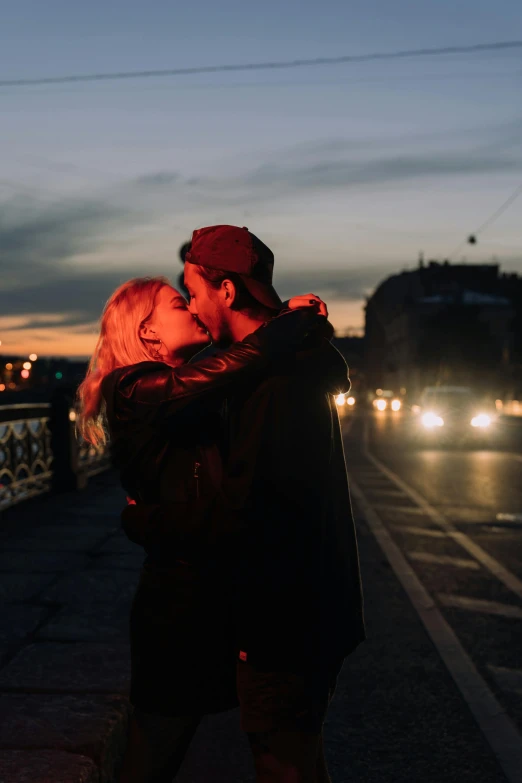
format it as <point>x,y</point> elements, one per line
<point>340,399</point>
<point>482,420</point>
<point>351,400</point>
<point>396,405</point>
<point>431,420</point>
<point>380,405</point>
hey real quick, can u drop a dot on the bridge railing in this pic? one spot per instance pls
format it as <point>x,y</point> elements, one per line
<point>39,451</point>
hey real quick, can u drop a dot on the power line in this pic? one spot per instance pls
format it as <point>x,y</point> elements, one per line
<point>355,58</point>
<point>498,212</point>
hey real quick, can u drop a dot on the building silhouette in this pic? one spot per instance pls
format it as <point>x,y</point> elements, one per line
<point>445,324</point>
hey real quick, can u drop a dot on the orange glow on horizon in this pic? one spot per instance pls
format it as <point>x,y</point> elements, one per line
<point>80,340</point>
<point>49,340</point>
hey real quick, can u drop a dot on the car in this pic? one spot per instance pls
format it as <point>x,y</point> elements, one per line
<point>345,402</point>
<point>386,400</point>
<point>452,414</point>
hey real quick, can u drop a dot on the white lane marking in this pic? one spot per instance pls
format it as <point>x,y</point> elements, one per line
<point>480,605</point>
<point>374,475</point>
<point>398,509</point>
<point>503,574</point>
<point>498,728</point>
<point>458,562</point>
<point>391,493</point>
<point>418,531</point>
<point>507,679</point>
<point>381,482</point>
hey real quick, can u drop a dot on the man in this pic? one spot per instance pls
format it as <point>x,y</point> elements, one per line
<point>291,554</point>
<point>299,609</point>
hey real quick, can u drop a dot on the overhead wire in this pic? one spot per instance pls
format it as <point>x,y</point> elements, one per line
<point>496,214</point>
<point>345,59</point>
<point>353,58</point>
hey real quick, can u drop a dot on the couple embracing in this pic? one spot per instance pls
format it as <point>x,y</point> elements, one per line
<point>250,592</point>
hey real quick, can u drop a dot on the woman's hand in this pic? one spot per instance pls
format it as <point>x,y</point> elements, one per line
<point>308,300</point>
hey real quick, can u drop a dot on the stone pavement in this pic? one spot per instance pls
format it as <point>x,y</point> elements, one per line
<point>67,576</point>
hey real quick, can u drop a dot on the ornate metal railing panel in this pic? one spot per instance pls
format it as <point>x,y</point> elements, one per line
<point>92,459</point>
<point>28,435</point>
<point>25,452</point>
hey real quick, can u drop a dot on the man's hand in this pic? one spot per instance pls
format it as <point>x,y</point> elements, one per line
<point>308,300</point>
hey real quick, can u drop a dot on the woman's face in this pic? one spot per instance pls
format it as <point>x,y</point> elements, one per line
<point>173,324</point>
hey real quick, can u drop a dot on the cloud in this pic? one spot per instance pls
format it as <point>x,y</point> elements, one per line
<point>379,171</point>
<point>79,296</point>
<point>349,284</point>
<point>37,238</point>
<point>330,164</point>
<point>56,257</point>
<point>39,245</point>
<point>157,179</point>
<point>44,321</point>
<point>485,136</point>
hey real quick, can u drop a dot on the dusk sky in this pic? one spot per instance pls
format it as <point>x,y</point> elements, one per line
<point>346,171</point>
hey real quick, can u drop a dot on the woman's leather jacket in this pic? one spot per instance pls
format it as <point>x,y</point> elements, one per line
<point>165,434</point>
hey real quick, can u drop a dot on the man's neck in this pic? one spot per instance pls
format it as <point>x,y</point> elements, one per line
<point>242,325</point>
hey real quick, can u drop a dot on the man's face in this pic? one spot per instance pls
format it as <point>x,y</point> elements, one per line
<point>207,305</point>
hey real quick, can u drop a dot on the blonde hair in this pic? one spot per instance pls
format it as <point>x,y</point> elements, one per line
<point>119,345</point>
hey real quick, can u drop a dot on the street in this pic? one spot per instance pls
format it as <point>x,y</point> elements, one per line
<point>450,524</point>
<point>434,693</point>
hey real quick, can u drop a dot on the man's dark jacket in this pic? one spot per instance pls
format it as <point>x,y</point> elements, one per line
<point>288,547</point>
<point>298,580</point>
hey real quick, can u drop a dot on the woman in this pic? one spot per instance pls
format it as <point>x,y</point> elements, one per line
<point>162,415</point>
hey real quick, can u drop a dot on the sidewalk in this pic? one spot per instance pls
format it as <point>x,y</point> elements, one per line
<point>67,576</point>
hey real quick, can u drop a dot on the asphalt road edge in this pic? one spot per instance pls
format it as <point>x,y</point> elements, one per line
<point>498,729</point>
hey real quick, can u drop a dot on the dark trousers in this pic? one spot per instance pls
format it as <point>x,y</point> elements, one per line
<point>156,747</point>
<point>282,714</point>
